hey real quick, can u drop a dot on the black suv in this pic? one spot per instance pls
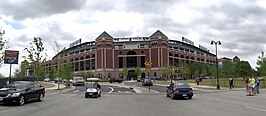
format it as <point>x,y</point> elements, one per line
<point>20,92</point>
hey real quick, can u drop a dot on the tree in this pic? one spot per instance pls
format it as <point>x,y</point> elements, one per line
<point>166,71</point>
<point>137,71</point>
<point>36,56</point>
<point>88,74</point>
<point>228,69</point>
<point>243,69</point>
<point>52,73</point>
<point>213,70</point>
<point>65,70</point>
<point>125,72</point>
<point>261,62</point>
<point>2,46</point>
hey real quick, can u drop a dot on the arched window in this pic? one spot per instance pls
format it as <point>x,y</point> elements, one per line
<point>170,54</point>
<point>87,56</point>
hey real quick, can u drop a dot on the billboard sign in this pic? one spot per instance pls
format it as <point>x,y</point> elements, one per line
<point>185,40</point>
<point>11,57</point>
<point>75,43</point>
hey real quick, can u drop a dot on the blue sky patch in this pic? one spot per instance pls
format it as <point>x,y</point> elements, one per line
<point>15,25</point>
<point>86,21</point>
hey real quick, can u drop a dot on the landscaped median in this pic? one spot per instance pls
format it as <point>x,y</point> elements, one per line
<point>47,85</point>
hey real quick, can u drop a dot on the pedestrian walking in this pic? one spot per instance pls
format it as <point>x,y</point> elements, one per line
<point>247,84</point>
<point>231,83</point>
<point>252,84</point>
<point>197,81</point>
<point>257,85</point>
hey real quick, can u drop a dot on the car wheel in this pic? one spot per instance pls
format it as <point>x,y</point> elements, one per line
<point>86,96</point>
<point>40,99</point>
<point>190,97</point>
<point>21,101</point>
<point>99,94</point>
<point>172,96</point>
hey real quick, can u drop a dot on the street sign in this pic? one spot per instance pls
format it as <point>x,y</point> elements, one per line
<point>148,63</point>
<point>148,69</point>
<point>220,64</point>
<point>11,57</point>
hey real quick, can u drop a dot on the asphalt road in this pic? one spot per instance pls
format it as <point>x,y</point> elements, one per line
<point>104,88</point>
<point>160,89</point>
<point>226,103</point>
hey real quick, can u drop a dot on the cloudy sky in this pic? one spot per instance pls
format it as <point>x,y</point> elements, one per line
<point>239,24</point>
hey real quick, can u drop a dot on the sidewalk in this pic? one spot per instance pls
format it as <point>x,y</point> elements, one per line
<point>200,87</point>
<point>205,87</point>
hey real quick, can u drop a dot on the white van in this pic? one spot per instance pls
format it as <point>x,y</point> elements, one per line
<point>78,81</point>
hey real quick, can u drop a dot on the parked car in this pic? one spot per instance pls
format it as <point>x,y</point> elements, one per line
<point>46,80</point>
<point>20,92</point>
<point>147,82</point>
<point>57,79</point>
<point>180,78</point>
<point>93,89</point>
<point>206,77</point>
<point>179,90</point>
<point>78,81</point>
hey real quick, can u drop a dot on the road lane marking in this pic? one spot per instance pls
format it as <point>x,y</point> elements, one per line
<point>112,89</point>
<point>256,109</point>
<point>6,111</point>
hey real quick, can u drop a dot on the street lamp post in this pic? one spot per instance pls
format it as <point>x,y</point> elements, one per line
<point>217,72</point>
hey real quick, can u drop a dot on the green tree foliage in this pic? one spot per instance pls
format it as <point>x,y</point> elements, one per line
<point>36,56</point>
<point>125,72</point>
<point>228,69</point>
<point>166,71</point>
<point>21,72</point>
<point>137,71</point>
<point>52,73</point>
<point>243,69</point>
<point>213,70</point>
<point>2,46</point>
<point>88,74</point>
<point>261,62</point>
<point>65,70</point>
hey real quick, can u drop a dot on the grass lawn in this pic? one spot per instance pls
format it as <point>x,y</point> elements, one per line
<point>224,82</point>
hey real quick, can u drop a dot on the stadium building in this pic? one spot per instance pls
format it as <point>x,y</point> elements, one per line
<point>107,56</point>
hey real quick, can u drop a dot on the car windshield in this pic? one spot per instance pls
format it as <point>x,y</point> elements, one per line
<point>17,85</point>
<point>181,85</point>
<point>78,78</point>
